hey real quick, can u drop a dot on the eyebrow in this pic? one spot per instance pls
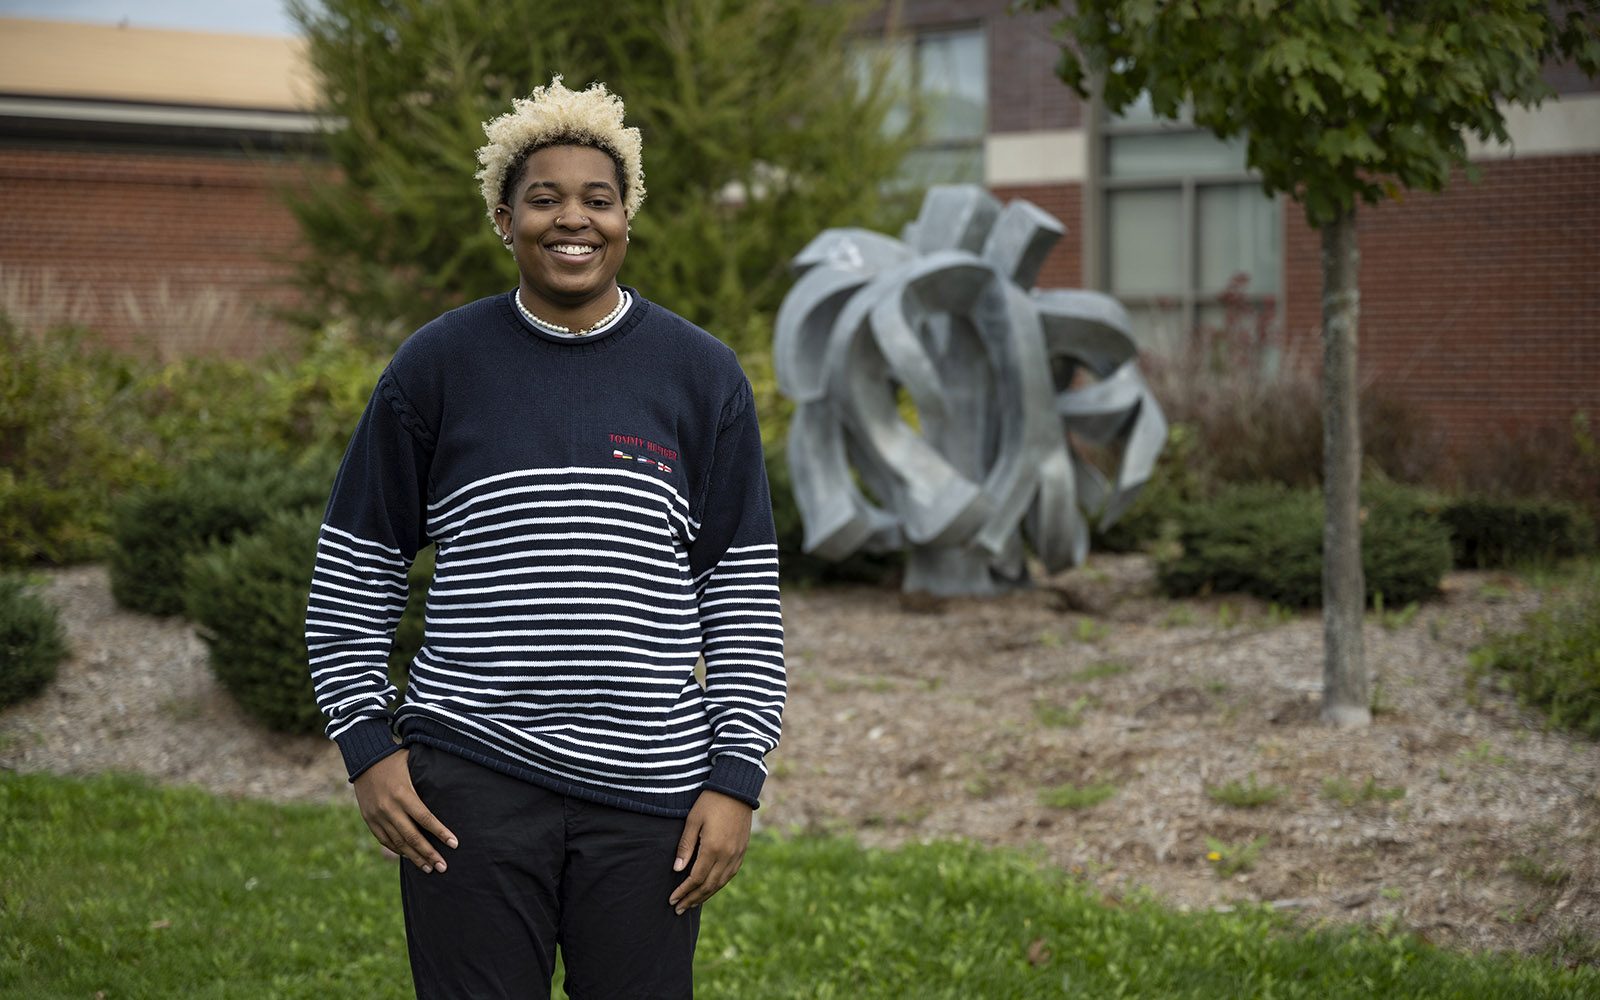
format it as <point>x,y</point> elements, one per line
<point>551,185</point>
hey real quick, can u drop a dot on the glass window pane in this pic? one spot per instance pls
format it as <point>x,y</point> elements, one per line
<point>962,164</point>
<point>952,75</point>
<point>1239,233</point>
<point>1146,233</point>
<point>1138,113</point>
<point>1141,112</point>
<point>1174,154</point>
<point>891,58</point>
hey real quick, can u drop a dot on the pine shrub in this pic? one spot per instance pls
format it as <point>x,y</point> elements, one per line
<point>1486,532</point>
<point>157,528</point>
<point>248,599</point>
<point>1266,540</point>
<point>1554,661</point>
<point>32,642</point>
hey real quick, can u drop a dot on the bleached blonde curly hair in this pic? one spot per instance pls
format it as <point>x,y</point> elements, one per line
<point>554,116</point>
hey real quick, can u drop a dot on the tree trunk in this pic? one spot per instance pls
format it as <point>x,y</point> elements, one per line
<point>1345,696</point>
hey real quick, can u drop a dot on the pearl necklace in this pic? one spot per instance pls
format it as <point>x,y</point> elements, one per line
<point>622,304</point>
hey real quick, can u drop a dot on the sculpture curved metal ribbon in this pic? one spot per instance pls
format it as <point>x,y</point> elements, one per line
<point>998,375</point>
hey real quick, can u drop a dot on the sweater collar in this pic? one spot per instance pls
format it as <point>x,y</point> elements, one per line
<point>587,344</point>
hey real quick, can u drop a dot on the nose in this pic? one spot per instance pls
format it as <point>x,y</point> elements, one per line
<point>571,219</point>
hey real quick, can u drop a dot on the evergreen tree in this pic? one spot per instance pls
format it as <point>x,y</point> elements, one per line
<point>758,134</point>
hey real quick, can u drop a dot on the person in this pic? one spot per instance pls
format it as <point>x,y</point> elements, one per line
<point>588,467</point>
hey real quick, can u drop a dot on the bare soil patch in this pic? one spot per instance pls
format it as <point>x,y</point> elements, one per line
<point>1465,822</point>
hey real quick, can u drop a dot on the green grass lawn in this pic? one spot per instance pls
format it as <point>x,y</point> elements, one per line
<point>112,886</point>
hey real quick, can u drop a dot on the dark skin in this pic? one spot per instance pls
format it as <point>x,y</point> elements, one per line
<point>565,222</point>
<point>568,198</point>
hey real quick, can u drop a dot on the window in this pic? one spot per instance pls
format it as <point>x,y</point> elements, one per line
<point>947,73</point>
<point>1182,217</point>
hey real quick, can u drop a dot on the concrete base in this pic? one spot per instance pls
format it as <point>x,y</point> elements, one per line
<point>955,572</point>
<point>1347,716</point>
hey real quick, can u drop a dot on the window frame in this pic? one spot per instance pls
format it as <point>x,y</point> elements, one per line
<point>1101,130</point>
<point>913,36</point>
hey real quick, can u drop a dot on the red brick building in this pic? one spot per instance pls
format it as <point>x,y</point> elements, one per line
<point>138,172</point>
<point>139,177</point>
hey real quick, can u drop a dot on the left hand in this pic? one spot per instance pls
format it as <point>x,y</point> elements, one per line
<point>715,835</point>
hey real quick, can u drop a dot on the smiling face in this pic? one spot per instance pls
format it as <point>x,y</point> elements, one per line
<point>567,228</point>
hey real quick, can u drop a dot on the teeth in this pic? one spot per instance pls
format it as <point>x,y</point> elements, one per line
<point>573,251</point>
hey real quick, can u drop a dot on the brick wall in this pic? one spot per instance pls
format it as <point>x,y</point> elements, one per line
<point>1064,267</point>
<point>211,230</point>
<point>1480,304</point>
<point>1024,93</point>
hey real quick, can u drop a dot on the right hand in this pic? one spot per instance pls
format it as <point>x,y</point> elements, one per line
<point>394,813</point>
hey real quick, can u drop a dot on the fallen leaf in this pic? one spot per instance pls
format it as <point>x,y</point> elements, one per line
<point>1038,953</point>
<point>160,925</point>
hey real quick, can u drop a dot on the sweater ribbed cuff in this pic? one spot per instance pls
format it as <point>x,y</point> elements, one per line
<point>737,777</point>
<point>364,744</point>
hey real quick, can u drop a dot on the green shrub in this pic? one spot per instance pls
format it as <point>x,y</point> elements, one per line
<point>1405,548</point>
<point>248,599</point>
<point>317,401</point>
<point>81,425</point>
<point>193,408</point>
<point>1487,532</point>
<point>67,445</point>
<point>1554,661</point>
<point>1267,541</point>
<point>157,528</point>
<point>32,642</point>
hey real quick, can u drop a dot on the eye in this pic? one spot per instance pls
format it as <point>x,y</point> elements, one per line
<point>600,202</point>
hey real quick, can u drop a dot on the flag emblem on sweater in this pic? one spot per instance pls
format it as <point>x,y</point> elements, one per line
<point>642,450</point>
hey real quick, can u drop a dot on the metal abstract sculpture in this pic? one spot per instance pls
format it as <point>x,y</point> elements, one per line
<point>998,376</point>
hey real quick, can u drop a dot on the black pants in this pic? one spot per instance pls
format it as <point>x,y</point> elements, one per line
<point>537,869</point>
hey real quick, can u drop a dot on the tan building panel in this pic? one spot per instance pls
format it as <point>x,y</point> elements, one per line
<point>105,62</point>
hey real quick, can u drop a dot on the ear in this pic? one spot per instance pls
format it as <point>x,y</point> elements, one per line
<point>502,221</point>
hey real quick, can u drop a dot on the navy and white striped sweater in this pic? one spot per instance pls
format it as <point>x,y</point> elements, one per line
<point>601,520</point>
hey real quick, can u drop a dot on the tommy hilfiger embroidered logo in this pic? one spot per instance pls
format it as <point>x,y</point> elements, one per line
<point>661,451</point>
<point>657,451</point>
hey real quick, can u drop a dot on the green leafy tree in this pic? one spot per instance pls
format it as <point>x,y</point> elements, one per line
<point>1342,102</point>
<point>757,133</point>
